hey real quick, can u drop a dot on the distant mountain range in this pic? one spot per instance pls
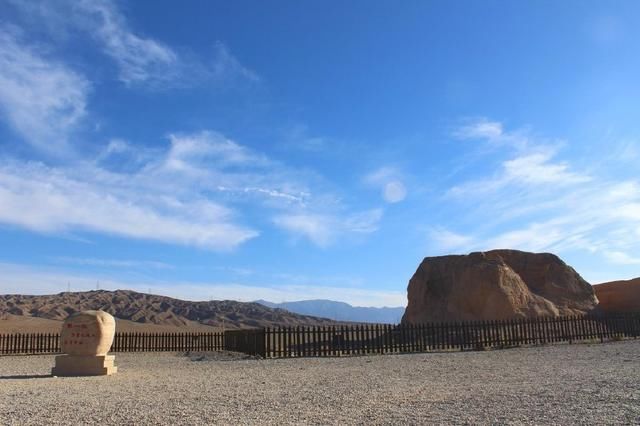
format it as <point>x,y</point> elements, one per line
<point>339,311</point>
<point>152,309</point>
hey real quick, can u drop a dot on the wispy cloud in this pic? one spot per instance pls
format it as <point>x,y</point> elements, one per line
<point>622,258</point>
<point>536,168</point>
<point>188,151</point>
<point>211,162</point>
<point>226,66</point>
<point>324,229</point>
<point>480,129</point>
<point>140,59</point>
<point>112,263</point>
<point>42,99</point>
<point>299,137</point>
<point>535,202</point>
<point>446,240</point>
<point>45,199</point>
<point>493,133</point>
<point>180,195</point>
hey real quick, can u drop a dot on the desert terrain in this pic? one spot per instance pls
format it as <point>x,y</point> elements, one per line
<point>142,312</point>
<point>563,384</point>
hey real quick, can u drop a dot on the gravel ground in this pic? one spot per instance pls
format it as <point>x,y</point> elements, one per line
<point>565,384</point>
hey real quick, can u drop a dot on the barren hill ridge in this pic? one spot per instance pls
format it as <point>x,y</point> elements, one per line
<point>153,309</point>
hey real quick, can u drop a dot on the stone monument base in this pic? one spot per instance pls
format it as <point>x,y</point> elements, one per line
<point>84,365</point>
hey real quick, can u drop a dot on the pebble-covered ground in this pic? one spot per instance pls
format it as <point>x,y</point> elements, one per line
<point>565,384</point>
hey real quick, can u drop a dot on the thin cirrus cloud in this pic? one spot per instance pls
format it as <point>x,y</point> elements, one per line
<point>324,229</point>
<point>491,132</point>
<point>531,169</point>
<point>188,150</point>
<point>531,201</point>
<point>49,200</point>
<point>226,66</point>
<point>112,263</point>
<point>179,195</point>
<point>43,100</point>
<point>149,61</point>
<point>141,60</point>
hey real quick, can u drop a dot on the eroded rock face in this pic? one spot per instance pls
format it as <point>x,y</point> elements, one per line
<point>498,284</point>
<point>619,296</point>
<point>88,333</point>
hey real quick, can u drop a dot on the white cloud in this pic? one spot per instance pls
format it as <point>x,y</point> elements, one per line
<point>324,229</point>
<point>226,66</point>
<point>139,59</point>
<point>533,202</point>
<point>179,195</point>
<point>480,129</point>
<point>43,100</point>
<point>534,237</point>
<point>18,279</point>
<point>536,168</point>
<point>112,263</point>
<point>189,150</point>
<point>492,132</point>
<point>44,199</point>
<point>317,228</point>
<point>389,180</point>
<point>533,169</point>
<point>445,240</point>
<point>622,258</point>
<point>212,162</point>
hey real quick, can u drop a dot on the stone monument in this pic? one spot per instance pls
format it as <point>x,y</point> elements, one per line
<point>85,339</point>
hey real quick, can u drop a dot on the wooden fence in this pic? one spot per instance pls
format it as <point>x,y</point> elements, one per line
<point>341,340</point>
<point>476,335</point>
<point>122,342</point>
<point>251,341</point>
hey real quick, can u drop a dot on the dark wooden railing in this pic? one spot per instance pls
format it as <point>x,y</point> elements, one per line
<point>39,343</point>
<point>285,342</point>
<point>174,342</point>
<point>122,342</point>
<point>251,342</point>
<point>442,336</point>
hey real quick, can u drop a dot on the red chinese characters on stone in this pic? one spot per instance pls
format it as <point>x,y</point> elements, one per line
<point>88,333</point>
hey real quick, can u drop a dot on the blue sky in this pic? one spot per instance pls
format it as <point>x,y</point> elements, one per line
<point>296,150</point>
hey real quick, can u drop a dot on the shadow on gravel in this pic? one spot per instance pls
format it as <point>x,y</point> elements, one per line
<point>27,376</point>
<point>218,356</point>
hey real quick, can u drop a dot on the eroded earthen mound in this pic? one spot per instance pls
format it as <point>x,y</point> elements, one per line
<point>619,296</point>
<point>498,284</point>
